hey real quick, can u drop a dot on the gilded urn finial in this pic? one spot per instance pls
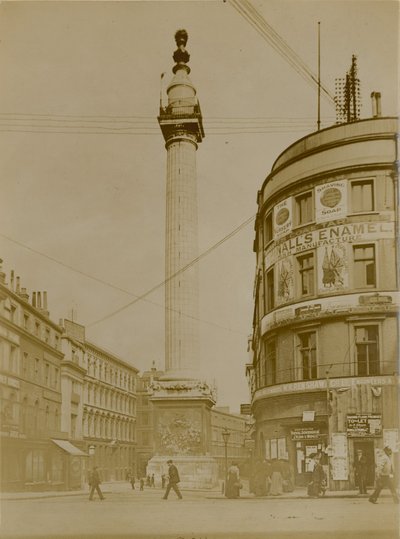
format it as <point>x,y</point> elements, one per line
<point>181,55</point>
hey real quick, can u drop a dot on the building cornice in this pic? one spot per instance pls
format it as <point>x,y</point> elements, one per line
<point>321,384</point>
<point>347,133</point>
<point>28,335</point>
<point>105,354</point>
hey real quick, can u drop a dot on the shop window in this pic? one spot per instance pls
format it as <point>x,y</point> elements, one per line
<point>304,208</point>
<point>308,355</point>
<point>364,266</point>
<point>362,196</point>
<point>306,274</point>
<point>367,350</point>
<point>268,230</point>
<point>35,466</point>
<point>270,289</point>
<point>57,467</point>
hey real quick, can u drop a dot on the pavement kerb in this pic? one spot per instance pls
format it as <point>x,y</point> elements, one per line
<point>212,495</point>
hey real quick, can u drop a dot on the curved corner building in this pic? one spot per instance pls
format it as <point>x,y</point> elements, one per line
<point>325,356</point>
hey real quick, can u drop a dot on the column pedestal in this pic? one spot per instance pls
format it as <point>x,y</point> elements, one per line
<point>182,432</point>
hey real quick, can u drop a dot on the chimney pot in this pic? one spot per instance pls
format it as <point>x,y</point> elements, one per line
<point>17,287</point>
<point>376,104</point>
<point>39,300</point>
<point>45,300</point>
<point>12,280</point>
<point>33,299</point>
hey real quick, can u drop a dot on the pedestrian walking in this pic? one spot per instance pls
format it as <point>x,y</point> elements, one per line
<point>318,482</point>
<point>163,481</point>
<point>384,477</point>
<point>173,480</point>
<point>152,481</point>
<point>360,471</point>
<point>148,481</point>
<point>94,483</point>
<point>233,485</point>
<point>133,481</point>
<point>141,483</point>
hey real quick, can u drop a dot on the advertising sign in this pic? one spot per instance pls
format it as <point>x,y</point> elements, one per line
<point>333,268</point>
<point>285,289</point>
<point>329,236</point>
<point>359,426</point>
<point>283,218</point>
<point>331,201</point>
<point>305,433</point>
<point>339,461</point>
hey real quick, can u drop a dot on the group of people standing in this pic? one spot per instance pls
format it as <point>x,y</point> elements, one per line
<point>271,477</point>
<point>274,477</point>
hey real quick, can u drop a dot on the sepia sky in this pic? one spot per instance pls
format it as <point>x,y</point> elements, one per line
<point>83,163</point>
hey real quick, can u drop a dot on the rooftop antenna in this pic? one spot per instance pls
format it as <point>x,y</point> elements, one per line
<point>347,98</point>
<point>319,77</point>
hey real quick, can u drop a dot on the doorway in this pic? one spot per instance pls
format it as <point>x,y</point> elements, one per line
<point>368,449</point>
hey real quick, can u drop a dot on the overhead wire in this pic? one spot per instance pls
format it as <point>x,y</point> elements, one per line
<point>142,297</point>
<point>175,274</point>
<point>267,32</point>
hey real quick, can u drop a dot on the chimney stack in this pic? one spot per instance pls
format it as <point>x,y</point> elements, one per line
<point>39,300</point>
<point>376,104</point>
<point>17,287</point>
<point>12,281</point>
<point>33,299</point>
<point>45,311</point>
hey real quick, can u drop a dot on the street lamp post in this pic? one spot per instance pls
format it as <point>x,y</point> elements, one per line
<point>225,436</point>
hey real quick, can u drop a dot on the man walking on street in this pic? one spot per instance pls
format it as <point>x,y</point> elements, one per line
<point>360,469</point>
<point>173,480</point>
<point>384,477</point>
<point>94,483</point>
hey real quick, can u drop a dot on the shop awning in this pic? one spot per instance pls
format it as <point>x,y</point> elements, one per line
<point>69,448</point>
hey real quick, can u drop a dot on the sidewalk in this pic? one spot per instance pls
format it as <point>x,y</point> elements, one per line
<point>120,487</point>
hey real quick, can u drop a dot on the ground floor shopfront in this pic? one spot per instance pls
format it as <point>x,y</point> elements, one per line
<point>34,465</point>
<point>333,417</point>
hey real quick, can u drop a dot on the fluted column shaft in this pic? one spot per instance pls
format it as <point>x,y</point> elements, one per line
<point>182,290</point>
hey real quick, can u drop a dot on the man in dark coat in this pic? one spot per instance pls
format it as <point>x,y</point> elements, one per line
<point>94,483</point>
<point>360,470</point>
<point>385,476</point>
<point>173,480</point>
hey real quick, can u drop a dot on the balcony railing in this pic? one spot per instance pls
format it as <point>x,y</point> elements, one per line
<point>181,108</point>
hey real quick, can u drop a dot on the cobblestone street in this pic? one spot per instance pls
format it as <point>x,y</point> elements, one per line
<point>200,515</point>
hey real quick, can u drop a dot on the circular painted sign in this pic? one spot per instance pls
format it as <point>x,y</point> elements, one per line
<point>331,197</point>
<point>282,216</point>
